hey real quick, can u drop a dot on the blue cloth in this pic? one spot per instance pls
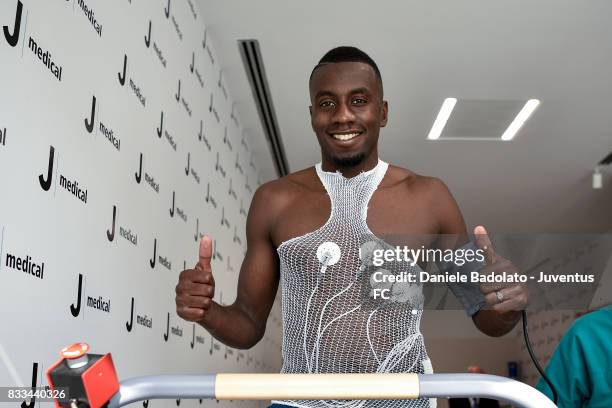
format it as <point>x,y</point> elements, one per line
<point>580,366</point>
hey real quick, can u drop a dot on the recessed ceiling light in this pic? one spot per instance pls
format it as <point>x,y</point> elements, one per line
<point>481,119</point>
<point>520,119</point>
<point>443,115</point>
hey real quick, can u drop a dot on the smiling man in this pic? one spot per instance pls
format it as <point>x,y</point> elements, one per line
<point>315,231</point>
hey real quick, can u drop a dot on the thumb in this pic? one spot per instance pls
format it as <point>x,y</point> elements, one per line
<point>205,253</point>
<point>484,242</point>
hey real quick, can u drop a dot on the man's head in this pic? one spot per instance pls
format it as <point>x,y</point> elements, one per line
<point>346,95</point>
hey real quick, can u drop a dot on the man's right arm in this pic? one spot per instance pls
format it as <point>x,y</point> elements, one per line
<point>242,324</point>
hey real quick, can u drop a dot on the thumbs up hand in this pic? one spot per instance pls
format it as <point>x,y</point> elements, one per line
<point>501,296</point>
<point>196,287</point>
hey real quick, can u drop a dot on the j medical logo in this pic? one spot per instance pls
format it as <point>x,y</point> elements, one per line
<point>149,179</point>
<point>99,303</point>
<point>212,109</point>
<point>190,170</point>
<point>247,186</point>
<point>198,235</point>
<point>44,55</point>
<point>206,46</point>
<point>233,116</point>
<point>224,221</point>
<point>232,192</point>
<point>202,137</point>
<point>105,129</point>
<point>141,320</point>
<point>243,142</point>
<point>12,36</point>
<point>174,330</point>
<point>175,209</point>
<point>209,197</point>
<point>237,164</point>
<point>236,238</point>
<point>70,185</point>
<point>242,209</point>
<point>216,252</point>
<point>156,48</point>
<point>226,140</point>
<point>182,100</point>
<point>194,70</point>
<point>221,85</point>
<point>3,137</point>
<point>124,232</point>
<point>218,167</point>
<point>174,22</point>
<point>136,89</point>
<point>162,259</point>
<point>161,131</point>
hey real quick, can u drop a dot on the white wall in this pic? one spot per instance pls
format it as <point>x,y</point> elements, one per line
<point>165,208</point>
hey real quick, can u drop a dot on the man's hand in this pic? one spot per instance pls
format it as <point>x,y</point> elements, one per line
<point>503,297</point>
<point>196,287</point>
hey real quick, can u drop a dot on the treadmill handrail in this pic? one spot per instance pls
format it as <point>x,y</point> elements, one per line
<point>427,386</point>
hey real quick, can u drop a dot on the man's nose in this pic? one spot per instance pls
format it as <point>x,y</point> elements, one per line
<point>343,113</point>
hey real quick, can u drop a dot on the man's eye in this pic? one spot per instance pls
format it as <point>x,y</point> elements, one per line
<point>359,101</point>
<point>326,104</point>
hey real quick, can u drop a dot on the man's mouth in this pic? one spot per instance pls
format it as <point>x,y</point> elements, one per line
<point>347,135</point>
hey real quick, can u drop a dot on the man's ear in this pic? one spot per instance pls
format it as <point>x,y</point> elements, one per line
<point>384,113</point>
<point>311,124</point>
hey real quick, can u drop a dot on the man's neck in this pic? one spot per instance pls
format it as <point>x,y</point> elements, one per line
<point>367,164</point>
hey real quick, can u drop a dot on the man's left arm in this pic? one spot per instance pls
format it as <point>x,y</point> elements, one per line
<point>503,301</point>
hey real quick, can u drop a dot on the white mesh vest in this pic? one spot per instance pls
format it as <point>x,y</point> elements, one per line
<point>331,321</point>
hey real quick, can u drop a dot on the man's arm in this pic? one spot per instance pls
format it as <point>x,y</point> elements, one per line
<point>454,234</point>
<point>242,324</point>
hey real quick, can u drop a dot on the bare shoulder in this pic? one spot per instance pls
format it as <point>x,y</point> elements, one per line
<point>434,195</point>
<point>426,186</point>
<point>275,195</point>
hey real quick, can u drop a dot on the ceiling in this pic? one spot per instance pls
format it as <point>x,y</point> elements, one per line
<point>558,51</point>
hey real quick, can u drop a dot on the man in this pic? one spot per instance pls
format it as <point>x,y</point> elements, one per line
<point>332,320</point>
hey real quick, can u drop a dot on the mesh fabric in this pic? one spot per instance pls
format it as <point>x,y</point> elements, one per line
<point>331,321</point>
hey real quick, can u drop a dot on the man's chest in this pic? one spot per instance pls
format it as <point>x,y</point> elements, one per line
<point>391,214</point>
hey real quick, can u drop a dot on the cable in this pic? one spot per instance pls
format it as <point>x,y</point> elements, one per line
<point>535,360</point>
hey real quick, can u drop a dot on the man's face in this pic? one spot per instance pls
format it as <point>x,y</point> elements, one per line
<point>347,104</point>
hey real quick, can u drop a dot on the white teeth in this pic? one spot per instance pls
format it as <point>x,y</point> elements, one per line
<point>346,136</point>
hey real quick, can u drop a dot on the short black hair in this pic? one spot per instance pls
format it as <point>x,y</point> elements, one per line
<point>347,54</point>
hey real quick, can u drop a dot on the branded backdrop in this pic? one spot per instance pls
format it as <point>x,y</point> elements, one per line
<point>119,147</point>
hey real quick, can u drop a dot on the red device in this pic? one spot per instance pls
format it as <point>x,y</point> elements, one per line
<point>90,379</point>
